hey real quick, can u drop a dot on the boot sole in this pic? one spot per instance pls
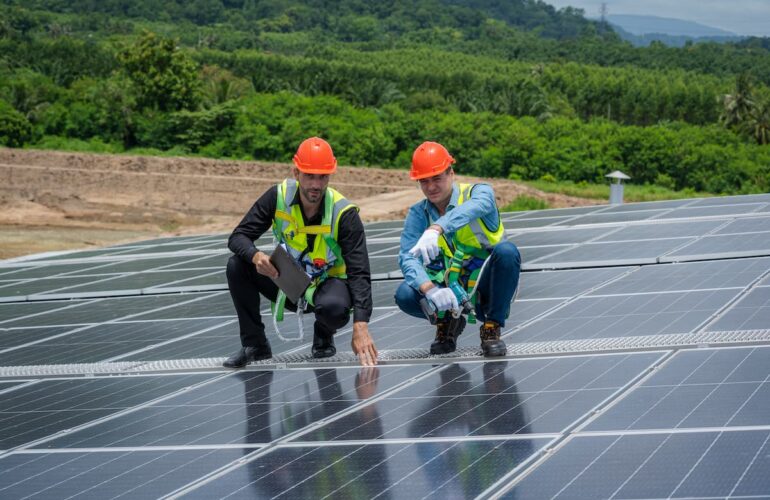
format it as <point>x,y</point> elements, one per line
<point>319,355</point>
<point>494,353</point>
<point>442,352</point>
<point>256,358</point>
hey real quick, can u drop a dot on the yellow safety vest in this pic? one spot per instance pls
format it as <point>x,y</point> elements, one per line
<point>475,239</point>
<point>325,258</point>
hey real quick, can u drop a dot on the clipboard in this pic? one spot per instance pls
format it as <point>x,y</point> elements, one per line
<point>292,280</point>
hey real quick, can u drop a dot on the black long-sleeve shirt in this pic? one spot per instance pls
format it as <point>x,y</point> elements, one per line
<point>350,237</point>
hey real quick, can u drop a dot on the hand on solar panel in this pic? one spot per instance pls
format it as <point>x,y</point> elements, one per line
<point>264,266</point>
<point>363,345</point>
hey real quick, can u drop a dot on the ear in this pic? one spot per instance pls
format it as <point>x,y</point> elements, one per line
<point>295,172</point>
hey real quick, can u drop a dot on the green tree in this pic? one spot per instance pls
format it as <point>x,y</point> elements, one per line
<point>15,130</point>
<point>163,77</point>
<point>220,86</point>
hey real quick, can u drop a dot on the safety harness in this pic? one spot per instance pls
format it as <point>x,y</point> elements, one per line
<point>323,260</point>
<point>464,256</point>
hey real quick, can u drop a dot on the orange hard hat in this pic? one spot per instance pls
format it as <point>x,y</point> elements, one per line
<point>315,156</point>
<point>429,159</point>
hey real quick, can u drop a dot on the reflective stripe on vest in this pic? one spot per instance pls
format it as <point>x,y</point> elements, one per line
<point>325,258</point>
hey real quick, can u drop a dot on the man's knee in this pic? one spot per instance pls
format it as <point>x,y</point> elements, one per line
<point>507,252</point>
<point>405,296</point>
<point>236,268</point>
<point>332,304</point>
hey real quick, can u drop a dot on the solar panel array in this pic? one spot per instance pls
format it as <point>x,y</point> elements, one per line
<point>638,367</point>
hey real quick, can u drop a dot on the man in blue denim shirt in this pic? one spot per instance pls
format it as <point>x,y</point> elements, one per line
<point>455,217</point>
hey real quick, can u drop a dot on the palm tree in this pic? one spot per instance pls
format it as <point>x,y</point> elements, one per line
<point>760,123</point>
<point>738,106</point>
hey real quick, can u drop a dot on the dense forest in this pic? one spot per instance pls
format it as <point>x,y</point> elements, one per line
<point>514,89</point>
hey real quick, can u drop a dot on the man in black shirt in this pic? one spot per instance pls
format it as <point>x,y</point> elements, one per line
<point>323,232</point>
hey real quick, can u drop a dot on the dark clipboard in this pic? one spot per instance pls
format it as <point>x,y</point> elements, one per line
<point>292,280</point>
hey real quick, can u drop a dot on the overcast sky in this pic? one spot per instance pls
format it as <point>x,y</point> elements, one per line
<point>744,17</point>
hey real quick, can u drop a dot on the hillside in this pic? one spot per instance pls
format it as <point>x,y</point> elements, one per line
<point>640,25</point>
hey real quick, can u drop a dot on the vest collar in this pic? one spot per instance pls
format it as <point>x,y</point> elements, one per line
<point>296,201</point>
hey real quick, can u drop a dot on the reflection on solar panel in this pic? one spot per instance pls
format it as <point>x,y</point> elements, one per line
<point>638,367</point>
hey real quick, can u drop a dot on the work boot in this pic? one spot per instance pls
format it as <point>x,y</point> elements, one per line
<point>246,355</point>
<point>447,331</point>
<point>323,342</point>
<point>491,344</point>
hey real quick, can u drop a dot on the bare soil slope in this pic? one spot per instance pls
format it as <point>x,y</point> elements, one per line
<point>55,200</point>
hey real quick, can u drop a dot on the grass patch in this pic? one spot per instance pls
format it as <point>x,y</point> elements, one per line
<point>632,192</point>
<point>94,145</point>
<point>522,203</point>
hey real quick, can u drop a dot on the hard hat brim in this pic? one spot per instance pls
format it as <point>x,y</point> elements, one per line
<point>424,175</point>
<point>308,169</point>
<point>317,170</point>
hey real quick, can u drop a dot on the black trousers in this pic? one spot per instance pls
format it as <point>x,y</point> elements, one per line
<point>332,302</point>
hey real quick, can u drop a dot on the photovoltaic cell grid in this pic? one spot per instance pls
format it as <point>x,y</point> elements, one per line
<point>574,418</point>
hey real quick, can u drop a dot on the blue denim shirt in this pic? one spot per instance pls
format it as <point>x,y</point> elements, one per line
<point>481,205</point>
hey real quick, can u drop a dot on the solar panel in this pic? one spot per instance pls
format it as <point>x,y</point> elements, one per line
<point>753,225</point>
<point>556,212</point>
<point>667,465</point>
<point>702,389</point>
<point>557,237</point>
<point>45,271</point>
<point>96,311</point>
<point>627,316</point>
<point>611,253</point>
<point>732,200</point>
<point>722,246</point>
<point>648,205</point>
<point>10,312</point>
<point>522,222</point>
<point>214,261</point>
<point>751,313</point>
<point>11,338</point>
<point>213,413</point>
<point>85,254</point>
<point>689,276</point>
<point>486,399</point>
<point>659,230</point>
<point>100,342</point>
<point>530,255</point>
<point>96,473</point>
<point>710,211</point>
<point>49,406</point>
<point>629,374</point>
<point>565,284</point>
<point>130,284</point>
<point>609,217</point>
<point>400,470</point>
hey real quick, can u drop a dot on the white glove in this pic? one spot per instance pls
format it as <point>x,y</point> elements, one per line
<point>443,298</point>
<point>427,246</point>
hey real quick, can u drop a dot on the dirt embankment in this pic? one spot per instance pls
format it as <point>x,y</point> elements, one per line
<point>57,201</point>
